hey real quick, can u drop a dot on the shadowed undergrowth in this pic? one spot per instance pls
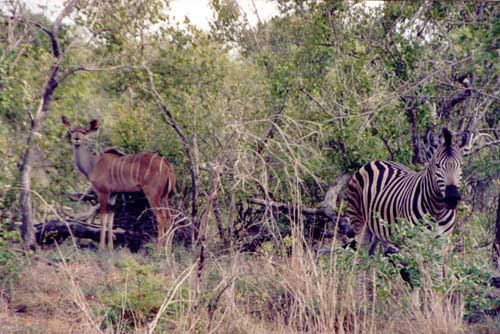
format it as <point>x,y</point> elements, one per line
<point>68,291</point>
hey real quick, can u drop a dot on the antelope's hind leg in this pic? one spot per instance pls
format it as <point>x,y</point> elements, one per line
<point>154,199</point>
<point>110,218</point>
<point>168,227</point>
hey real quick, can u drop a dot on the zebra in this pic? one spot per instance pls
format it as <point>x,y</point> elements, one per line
<point>383,192</point>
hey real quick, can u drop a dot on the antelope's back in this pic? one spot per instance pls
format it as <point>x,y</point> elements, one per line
<point>118,172</point>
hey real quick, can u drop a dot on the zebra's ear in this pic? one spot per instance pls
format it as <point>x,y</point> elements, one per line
<point>465,143</point>
<point>447,136</point>
<point>465,140</point>
<point>429,146</point>
<point>430,137</point>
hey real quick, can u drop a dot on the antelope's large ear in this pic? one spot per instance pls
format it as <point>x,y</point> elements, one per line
<point>93,125</point>
<point>65,121</point>
<point>447,136</point>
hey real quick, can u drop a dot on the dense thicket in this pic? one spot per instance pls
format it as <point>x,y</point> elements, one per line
<point>281,109</point>
<point>248,115</point>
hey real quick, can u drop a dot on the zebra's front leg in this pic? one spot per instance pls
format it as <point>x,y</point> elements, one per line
<point>367,240</point>
<point>444,254</point>
<point>372,246</point>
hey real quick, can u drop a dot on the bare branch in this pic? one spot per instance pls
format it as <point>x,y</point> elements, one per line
<point>68,7</point>
<point>488,144</point>
<point>84,68</point>
<point>187,147</point>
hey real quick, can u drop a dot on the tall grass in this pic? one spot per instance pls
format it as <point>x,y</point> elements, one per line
<point>263,292</point>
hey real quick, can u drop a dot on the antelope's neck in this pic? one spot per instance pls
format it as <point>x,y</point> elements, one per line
<point>84,159</point>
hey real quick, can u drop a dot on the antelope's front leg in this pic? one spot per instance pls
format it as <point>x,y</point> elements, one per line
<point>102,238</point>
<point>169,232</point>
<point>103,212</point>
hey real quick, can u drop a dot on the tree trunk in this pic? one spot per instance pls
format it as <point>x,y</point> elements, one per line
<point>56,231</point>
<point>496,242</point>
<point>26,167</point>
<point>27,230</point>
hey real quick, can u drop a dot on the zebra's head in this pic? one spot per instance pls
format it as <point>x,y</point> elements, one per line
<point>446,164</point>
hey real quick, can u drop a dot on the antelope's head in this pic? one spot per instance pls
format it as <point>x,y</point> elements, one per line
<point>78,134</point>
<point>446,164</point>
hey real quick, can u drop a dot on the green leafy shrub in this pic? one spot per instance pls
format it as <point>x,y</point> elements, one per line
<point>136,296</point>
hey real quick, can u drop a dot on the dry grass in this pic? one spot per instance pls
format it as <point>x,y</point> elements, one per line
<point>240,293</point>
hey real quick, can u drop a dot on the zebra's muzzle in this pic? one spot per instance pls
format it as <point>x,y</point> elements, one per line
<point>451,197</point>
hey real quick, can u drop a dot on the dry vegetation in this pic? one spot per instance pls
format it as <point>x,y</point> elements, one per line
<point>278,111</point>
<point>66,290</point>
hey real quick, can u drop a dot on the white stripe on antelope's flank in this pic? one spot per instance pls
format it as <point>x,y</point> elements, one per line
<point>125,171</point>
<point>135,166</point>
<point>123,180</point>
<point>116,173</point>
<point>129,169</point>
<point>119,171</point>
<point>139,168</point>
<point>149,166</point>
<point>112,172</point>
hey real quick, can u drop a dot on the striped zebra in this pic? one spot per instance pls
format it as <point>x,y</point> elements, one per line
<point>383,192</point>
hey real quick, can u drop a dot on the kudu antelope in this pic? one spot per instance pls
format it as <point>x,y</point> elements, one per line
<point>114,172</point>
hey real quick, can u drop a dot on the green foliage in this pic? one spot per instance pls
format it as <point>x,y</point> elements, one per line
<point>284,108</point>
<point>137,296</point>
<point>11,263</point>
<point>431,262</point>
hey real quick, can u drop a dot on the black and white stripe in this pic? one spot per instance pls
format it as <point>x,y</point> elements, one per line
<point>383,192</point>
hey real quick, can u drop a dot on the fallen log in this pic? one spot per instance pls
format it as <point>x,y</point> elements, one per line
<point>285,207</point>
<point>313,215</point>
<point>252,226</point>
<point>56,231</point>
<point>83,197</point>
<point>133,222</point>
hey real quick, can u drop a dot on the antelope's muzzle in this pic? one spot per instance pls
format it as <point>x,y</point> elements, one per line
<point>451,197</point>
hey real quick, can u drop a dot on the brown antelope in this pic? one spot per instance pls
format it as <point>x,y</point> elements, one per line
<point>115,172</point>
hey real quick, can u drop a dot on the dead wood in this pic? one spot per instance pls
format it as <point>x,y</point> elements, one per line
<point>56,231</point>
<point>318,223</point>
<point>134,223</point>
